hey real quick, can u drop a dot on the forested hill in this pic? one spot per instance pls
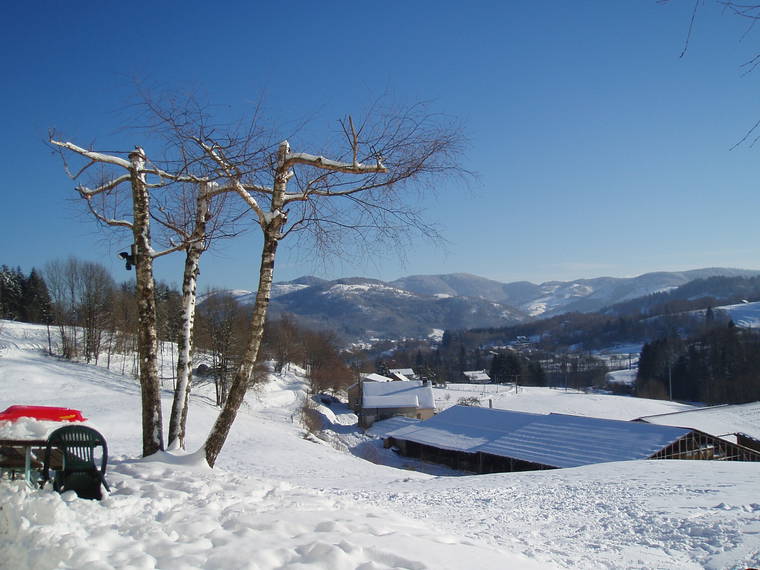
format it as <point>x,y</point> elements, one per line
<point>422,306</point>
<point>697,294</point>
<point>641,320</point>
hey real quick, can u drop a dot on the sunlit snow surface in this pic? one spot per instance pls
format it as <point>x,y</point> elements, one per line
<point>277,500</point>
<point>743,314</point>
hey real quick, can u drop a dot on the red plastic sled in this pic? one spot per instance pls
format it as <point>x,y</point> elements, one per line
<point>49,413</point>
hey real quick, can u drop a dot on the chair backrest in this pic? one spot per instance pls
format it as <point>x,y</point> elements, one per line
<point>77,445</point>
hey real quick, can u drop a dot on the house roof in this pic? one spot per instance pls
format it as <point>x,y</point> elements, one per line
<point>477,375</point>
<point>409,394</point>
<point>399,377</point>
<point>374,377</point>
<point>715,420</point>
<point>555,440</point>
<point>403,371</point>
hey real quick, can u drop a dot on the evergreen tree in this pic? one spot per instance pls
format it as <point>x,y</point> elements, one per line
<point>536,375</point>
<point>11,293</point>
<point>36,299</point>
<point>462,360</point>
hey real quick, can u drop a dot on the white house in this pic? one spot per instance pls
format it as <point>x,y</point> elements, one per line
<point>374,401</point>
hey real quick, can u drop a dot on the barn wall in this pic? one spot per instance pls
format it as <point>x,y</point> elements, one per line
<point>368,416</point>
<point>701,446</point>
<point>461,461</point>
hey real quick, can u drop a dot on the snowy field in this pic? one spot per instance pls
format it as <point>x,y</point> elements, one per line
<point>279,500</point>
<point>744,314</point>
<point>558,400</point>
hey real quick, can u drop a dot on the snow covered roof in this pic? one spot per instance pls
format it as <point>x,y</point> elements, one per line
<point>477,375</point>
<point>409,394</point>
<point>402,371</point>
<point>556,440</point>
<point>399,377</point>
<point>374,377</point>
<point>401,400</point>
<point>715,420</point>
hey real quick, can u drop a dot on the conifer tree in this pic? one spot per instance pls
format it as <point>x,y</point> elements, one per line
<point>36,299</point>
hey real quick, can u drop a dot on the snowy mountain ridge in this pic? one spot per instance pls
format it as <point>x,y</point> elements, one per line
<point>413,306</point>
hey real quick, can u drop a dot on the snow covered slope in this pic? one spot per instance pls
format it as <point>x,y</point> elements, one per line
<point>278,500</point>
<point>744,314</point>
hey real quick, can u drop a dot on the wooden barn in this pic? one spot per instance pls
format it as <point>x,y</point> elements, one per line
<point>483,440</point>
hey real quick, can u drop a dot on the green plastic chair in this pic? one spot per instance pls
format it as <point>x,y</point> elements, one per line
<point>79,471</point>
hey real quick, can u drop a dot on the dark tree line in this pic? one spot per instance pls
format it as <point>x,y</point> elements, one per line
<point>24,297</point>
<point>444,362</point>
<point>513,367</point>
<point>721,365</point>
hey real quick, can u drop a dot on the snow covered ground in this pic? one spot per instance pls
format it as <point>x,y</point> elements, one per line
<point>544,400</point>
<point>744,314</point>
<point>279,500</point>
<point>625,377</point>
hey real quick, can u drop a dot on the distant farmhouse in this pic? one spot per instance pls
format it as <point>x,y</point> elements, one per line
<point>374,401</point>
<point>402,374</point>
<point>477,377</point>
<point>375,377</point>
<point>355,390</point>
<point>737,423</point>
<point>484,440</point>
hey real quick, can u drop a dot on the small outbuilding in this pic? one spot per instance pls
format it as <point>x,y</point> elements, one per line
<point>477,377</point>
<point>402,374</point>
<point>355,390</point>
<point>381,400</point>
<point>484,440</point>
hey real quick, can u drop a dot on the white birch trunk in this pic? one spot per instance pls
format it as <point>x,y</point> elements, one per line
<point>271,226</point>
<point>178,418</point>
<point>147,338</point>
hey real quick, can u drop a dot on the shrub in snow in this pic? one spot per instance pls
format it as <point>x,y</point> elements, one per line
<point>469,401</point>
<point>310,418</point>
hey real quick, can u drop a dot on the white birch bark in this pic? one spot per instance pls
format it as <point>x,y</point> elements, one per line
<point>272,224</point>
<point>147,337</point>
<point>196,246</point>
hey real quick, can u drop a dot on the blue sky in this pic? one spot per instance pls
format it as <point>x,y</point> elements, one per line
<point>598,150</point>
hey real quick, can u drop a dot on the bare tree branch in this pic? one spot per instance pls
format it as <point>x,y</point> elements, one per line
<point>92,155</point>
<point>87,193</point>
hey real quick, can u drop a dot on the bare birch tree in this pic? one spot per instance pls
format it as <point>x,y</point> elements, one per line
<point>197,214</point>
<point>194,227</point>
<point>191,212</point>
<point>135,172</point>
<point>364,191</point>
